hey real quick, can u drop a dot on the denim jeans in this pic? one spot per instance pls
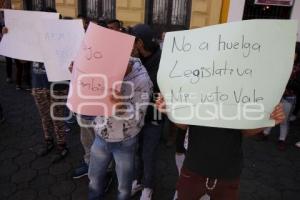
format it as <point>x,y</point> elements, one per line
<point>87,136</point>
<point>102,153</point>
<point>149,138</point>
<point>288,105</point>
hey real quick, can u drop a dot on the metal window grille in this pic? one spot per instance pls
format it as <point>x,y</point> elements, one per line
<point>39,5</point>
<point>108,9</point>
<point>96,9</point>
<point>257,11</point>
<point>160,12</point>
<point>168,14</point>
<point>5,3</point>
<point>179,12</point>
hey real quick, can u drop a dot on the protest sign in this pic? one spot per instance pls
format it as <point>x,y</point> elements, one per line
<point>229,75</point>
<point>98,69</point>
<point>60,41</point>
<point>22,40</point>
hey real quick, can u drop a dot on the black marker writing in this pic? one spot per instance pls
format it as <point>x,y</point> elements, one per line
<point>93,85</point>
<point>243,45</point>
<point>185,47</point>
<point>241,97</point>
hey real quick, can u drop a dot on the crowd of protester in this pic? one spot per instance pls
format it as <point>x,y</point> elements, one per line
<point>209,160</point>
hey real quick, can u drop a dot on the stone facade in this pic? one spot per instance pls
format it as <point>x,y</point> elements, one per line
<point>203,12</point>
<point>67,7</point>
<point>130,11</point>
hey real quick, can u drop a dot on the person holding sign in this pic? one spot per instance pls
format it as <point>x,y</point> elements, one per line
<point>50,104</point>
<point>149,52</point>
<point>214,158</point>
<point>21,66</point>
<point>116,136</point>
<point>213,80</point>
<point>7,59</point>
<point>87,134</point>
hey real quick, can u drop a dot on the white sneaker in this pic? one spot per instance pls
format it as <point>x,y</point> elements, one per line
<point>175,196</point>
<point>146,194</point>
<point>297,144</point>
<point>135,187</point>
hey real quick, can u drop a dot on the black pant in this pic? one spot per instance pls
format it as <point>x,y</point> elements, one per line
<point>180,141</point>
<point>1,112</point>
<point>23,67</point>
<point>8,67</point>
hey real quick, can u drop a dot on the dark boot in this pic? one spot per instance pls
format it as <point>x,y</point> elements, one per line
<point>47,148</point>
<point>60,153</point>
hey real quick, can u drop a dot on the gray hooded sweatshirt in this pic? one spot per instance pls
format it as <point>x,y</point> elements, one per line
<point>137,88</point>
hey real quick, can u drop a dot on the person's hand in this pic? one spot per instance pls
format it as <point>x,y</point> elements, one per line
<point>160,104</point>
<point>71,67</point>
<point>4,30</point>
<point>278,114</point>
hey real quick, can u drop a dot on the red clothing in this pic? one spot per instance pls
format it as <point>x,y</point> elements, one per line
<point>192,186</point>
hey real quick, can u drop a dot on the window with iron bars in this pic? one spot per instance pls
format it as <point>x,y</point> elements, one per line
<point>39,5</point>
<point>97,9</point>
<point>5,3</point>
<point>168,15</point>
<point>257,11</point>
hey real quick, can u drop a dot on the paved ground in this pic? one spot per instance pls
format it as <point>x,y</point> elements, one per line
<point>268,174</point>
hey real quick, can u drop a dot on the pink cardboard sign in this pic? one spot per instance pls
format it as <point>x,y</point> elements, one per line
<point>99,67</point>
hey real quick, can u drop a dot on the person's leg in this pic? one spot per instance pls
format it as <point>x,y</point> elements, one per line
<point>284,127</point>
<point>138,166</point>
<point>27,74</point>
<point>87,136</point>
<point>8,69</point>
<point>151,137</point>
<point>58,106</point>
<point>190,186</point>
<point>124,153</point>
<point>19,74</point>
<point>171,129</point>
<point>99,161</point>
<point>180,152</point>
<point>2,119</point>
<point>226,190</point>
<point>297,105</point>
<point>43,105</point>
